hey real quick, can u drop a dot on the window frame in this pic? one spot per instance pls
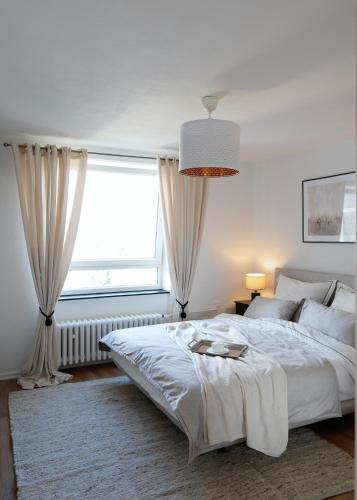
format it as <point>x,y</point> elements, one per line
<point>96,264</point>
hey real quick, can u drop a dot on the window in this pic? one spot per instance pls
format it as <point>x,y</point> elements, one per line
<point>119,241</point>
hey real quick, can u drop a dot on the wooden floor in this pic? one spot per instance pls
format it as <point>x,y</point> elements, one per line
<point>338,431</point>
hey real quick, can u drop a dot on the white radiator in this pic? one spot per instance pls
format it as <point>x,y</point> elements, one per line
<point>78,339</point>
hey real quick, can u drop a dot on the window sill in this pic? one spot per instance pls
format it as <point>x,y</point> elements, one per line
<point>105,295</point>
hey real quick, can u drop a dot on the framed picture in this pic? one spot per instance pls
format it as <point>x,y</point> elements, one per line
<point>329,209</point>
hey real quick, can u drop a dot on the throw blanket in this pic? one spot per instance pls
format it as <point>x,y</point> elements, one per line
<point>241,398</point>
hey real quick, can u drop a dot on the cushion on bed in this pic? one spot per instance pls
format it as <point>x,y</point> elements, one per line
<point>292,289</point>
<point>262,307</point>
<point>345,298</point>
<point>333,322</point>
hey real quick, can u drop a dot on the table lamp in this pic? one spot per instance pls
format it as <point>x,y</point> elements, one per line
<point>255,281</point>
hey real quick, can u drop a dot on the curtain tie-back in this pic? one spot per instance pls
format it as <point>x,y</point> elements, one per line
<point>48,317</point>
<point>182,313</point>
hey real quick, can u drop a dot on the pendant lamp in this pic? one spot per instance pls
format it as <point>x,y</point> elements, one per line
<point>209,147</point>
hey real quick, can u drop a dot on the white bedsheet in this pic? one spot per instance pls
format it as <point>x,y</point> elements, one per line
<point>341,356</point>
<point>303,352</point>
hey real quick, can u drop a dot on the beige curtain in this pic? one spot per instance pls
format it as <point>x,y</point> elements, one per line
<point>50,184</point>
<point>183,200</point>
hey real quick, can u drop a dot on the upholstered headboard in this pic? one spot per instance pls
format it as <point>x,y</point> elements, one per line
<point>314,276</point>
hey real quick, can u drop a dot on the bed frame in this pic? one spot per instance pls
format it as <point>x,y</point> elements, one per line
<point>314,276</point>
<point>156,397</point>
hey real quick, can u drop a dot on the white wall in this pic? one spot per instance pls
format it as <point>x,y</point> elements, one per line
<point>18,303</point>
<point>224,252</point>
<point>278,212</point>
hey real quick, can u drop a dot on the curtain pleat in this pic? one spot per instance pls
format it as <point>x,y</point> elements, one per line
<point>183,201</point>
<point>50,220</point>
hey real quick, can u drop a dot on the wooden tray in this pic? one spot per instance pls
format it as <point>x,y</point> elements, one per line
<point>235,350</point>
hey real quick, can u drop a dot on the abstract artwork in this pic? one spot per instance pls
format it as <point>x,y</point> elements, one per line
<point>329,209</point>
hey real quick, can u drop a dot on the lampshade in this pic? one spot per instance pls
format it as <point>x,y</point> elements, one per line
<point>209,147</point>
<point>255,281</point>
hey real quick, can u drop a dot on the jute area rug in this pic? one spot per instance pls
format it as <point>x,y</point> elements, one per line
<point>105,440</point>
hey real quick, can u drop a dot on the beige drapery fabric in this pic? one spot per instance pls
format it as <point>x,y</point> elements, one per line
<point>183,201</point>
<point>50,184</point>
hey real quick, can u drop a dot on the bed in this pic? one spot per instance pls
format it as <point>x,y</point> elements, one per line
<point>319,372</point>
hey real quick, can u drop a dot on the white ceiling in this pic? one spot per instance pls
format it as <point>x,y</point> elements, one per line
<point>126,73</point>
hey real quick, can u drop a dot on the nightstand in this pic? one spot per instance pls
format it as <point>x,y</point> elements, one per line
<point>241,306</point>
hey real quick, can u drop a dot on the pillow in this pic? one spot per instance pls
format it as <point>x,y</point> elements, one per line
<point>345,298</point>
<point>291,289</point>
<point>335,323</point>
<point>261,307</point>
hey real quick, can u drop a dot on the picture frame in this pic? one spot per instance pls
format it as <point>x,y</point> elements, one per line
<point>329,209</point>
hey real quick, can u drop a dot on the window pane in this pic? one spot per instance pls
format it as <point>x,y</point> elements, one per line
<point>118,217</point>
<point>110,278</point>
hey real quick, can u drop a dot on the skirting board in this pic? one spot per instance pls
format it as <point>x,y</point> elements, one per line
<point>7,375</point>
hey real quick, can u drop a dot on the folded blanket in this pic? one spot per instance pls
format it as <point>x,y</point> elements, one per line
<point>241,398</point>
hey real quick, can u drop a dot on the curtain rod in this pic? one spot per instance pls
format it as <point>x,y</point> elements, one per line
<point>7,145</point>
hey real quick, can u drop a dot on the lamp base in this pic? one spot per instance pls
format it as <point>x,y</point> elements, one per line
<point>255,294</point>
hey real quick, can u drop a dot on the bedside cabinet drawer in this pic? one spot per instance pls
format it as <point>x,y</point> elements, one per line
<point>241,306</point>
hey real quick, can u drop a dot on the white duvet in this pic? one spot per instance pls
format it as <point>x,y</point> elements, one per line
<point>214,400</point>
<point>248,398</point>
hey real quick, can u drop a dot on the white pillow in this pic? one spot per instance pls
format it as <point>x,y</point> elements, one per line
<point>345,299</point>
<point>291,289</point>
<point>262,307</point>
<point>332,322</point>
